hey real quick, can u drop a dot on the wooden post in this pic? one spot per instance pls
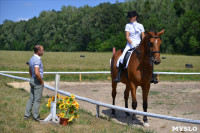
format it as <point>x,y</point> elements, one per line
<point>79,76</point>
<point>158,77</point>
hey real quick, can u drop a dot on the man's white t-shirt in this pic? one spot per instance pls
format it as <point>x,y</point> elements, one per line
<point>135,29</point>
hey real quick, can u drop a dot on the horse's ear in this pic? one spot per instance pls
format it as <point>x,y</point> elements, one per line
<point>161,32</point>
<point>148,33</point>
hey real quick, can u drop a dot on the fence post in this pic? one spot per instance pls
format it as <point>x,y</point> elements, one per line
<point>97,110</point>
<point>52,116</point>
<point>113,50</point>
<point>79,76</point>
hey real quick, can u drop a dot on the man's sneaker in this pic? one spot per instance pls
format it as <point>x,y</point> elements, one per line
<point>37,119</point>
<point>26,118</point>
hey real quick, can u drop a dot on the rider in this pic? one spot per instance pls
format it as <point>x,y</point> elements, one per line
<point>133,31</point>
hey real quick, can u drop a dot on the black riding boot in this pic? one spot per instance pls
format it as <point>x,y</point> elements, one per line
<point>120,71</point>
<point>153,79</point>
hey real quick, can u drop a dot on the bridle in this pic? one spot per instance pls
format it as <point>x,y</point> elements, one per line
<point>149,45</point>
<point>151,53</point>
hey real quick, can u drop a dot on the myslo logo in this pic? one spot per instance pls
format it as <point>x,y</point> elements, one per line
<point>184,128</point>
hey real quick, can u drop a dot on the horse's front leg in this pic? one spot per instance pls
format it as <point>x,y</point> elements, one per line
<point>134,101</point>
<point>145,92</point>
<point>126,96</point>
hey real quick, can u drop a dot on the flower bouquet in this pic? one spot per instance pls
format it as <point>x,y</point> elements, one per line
<point>66,107</point>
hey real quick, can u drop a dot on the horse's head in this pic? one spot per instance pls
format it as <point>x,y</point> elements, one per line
<point>154,43</point>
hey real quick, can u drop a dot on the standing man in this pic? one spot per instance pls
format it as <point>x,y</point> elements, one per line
<point>36,83</point>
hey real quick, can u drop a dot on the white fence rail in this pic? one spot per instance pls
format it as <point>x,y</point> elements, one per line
<point>100,72</point>
<point>112,106</point>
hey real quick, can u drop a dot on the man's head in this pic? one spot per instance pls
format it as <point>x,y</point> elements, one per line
<point>38,49</point>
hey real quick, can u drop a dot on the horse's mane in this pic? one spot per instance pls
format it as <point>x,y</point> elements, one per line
<point>144,39</point>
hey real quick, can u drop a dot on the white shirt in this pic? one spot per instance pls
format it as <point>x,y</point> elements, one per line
<point>38,58</point>
<point>135,29</point>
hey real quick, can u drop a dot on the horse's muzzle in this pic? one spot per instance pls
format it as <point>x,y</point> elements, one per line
<point>156,62</point>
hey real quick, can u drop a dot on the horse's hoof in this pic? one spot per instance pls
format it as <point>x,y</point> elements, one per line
<point>146,124</point>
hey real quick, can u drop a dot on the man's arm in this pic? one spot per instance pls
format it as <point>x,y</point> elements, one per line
<point>38,76</point>
<point>30,72</point>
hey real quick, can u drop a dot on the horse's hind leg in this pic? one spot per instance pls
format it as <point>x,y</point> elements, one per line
<point>114,93</point>
<point>126,96</point>
<point>145,92</point>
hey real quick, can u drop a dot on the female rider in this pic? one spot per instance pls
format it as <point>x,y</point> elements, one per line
<point>133,31</point>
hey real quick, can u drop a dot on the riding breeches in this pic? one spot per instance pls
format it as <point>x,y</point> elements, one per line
<point>121,58</point>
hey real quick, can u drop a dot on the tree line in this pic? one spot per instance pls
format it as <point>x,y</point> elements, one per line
<point>101,28</point>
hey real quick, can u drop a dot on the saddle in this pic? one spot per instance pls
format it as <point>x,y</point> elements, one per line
<point>128,55</point>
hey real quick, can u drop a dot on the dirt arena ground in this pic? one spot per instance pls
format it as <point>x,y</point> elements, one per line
<point>178,99</point>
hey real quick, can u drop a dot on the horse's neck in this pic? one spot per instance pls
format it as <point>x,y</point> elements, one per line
<point>143,48</point>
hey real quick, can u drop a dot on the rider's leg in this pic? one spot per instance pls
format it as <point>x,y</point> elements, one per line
<point>121,65</point>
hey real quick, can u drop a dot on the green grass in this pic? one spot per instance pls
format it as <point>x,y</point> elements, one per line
<point>71,61</point>
<point>12,107</point>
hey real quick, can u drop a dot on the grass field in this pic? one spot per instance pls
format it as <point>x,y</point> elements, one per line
<point>71,61</point>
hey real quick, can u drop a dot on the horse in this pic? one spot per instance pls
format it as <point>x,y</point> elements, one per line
<point>139,71</point>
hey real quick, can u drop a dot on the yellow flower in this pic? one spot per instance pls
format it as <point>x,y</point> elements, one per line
<point>62,97</point>
<point>48,105</point>
<point>58,96</point>
<point>53,98</point>
<point>72,96</point>
<point>71,112</point>
<point>71,118</point>
<point>77,106</point>
<point>66,97</point>
<point>49,100</point>
<point>67,102</point>
<point>75,103</point>
<point>62,114</point>
<point>76,116</point>
<point>62,106</point>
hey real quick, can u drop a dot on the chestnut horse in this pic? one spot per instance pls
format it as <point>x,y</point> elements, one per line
<point>139,70</point>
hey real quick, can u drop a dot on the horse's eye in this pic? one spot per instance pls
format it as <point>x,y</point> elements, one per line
<point>151,44</point>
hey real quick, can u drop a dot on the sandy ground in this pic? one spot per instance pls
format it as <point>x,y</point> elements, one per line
<point>178,99</point>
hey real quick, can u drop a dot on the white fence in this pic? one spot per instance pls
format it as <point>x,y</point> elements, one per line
<point>101,72</point>
<point>112,106</point>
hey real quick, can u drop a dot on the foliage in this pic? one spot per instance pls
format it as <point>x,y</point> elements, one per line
<point>66,107</point>
<point>101,27</point>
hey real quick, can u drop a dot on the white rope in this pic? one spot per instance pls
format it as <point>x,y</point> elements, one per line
<point>100,72</point>
<point>112,106</point>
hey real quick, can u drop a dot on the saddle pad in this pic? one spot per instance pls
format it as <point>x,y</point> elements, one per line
<point>126,58</point>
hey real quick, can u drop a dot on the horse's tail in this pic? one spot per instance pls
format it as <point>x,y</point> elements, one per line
<point>113,67</point>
